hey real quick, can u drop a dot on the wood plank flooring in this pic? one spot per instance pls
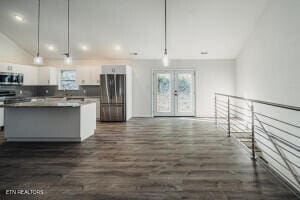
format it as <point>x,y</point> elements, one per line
<point>160,158</point>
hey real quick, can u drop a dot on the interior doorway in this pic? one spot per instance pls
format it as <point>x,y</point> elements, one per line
<point>174,93</point>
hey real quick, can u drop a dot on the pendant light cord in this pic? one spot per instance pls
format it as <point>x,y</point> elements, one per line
<point>38,42</point>
<point>165,26</point>
<point>68,27</point>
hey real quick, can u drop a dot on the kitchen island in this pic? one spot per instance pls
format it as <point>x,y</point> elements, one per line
<point>50,121</point>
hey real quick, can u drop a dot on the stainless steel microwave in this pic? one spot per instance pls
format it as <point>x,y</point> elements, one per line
<point>7,78</point>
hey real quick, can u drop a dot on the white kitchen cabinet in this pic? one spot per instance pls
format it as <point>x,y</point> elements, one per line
<point>95,75</point>
<point>97,106</point>
<point>129,94</point>
<point>88,75</point>
<point>47,76</point>
<point>82,75</point>
<point>30,73</point>
<point>6,67</point>
<point>113,69</point>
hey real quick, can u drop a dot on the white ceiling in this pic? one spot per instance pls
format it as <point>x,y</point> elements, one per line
<point>220,27</point>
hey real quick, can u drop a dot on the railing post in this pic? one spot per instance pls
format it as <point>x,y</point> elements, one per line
<point>216,114</point>
<point>252,131</point>
<point>228,116</point>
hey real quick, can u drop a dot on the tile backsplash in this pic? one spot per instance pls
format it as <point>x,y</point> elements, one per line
<point>21,90</point>
<point>29,91</point>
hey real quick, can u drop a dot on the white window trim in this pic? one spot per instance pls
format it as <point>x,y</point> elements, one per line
<point>59,79</point>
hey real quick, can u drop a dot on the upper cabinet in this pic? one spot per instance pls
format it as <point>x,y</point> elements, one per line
<point>30,73</point>
<point>6,67</point>
<point>47,76</point>
<point>113,69</point>
<point>87,75</point>
<point>95,75</point>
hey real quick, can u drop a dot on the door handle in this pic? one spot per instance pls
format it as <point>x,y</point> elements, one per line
<point>175,93</point>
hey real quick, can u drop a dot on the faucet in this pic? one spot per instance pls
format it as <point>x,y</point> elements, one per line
<point>65,92</point>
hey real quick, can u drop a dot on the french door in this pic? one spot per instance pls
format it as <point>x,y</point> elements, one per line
<point>173,93</point>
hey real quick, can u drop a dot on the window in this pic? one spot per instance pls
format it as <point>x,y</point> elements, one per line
<point>68,80</point>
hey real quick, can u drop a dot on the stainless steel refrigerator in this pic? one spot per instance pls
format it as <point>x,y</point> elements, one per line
<point>112,97</point>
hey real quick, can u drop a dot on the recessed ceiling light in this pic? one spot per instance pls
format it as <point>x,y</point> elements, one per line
<point>84,47</point>
<point>19,18</point>
<point>204,52</point>
<point>51,47</point>
<point>117,47</point>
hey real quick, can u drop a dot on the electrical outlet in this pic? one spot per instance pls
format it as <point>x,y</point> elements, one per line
<point>84,91</point>
<point>21,92</point>
<point>46,91</point>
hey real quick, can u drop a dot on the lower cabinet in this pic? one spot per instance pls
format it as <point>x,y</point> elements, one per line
<point>97,106</point>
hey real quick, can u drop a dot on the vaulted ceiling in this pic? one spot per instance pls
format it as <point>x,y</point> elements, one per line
<point>219,27</point>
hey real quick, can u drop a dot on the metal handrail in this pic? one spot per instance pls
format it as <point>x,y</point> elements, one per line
<point>296,108</point>
<point>283,131</point>
<point>263,128</point>
<point>290,124</point>
<point>240,107</point>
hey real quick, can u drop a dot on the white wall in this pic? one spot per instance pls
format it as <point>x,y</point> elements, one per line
<point>10,52</point>
<point>212,76</point>
<point>268,68</point>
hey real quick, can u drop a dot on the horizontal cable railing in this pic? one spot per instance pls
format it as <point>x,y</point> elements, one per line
<point>270,131</point>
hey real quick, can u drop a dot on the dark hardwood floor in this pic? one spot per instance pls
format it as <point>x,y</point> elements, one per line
<point>160,158</point>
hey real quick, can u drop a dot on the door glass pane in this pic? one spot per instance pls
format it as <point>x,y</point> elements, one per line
<point>184,91</point>
<point>163,93</point>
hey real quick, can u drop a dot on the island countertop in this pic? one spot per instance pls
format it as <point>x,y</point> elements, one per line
<point>50,104</point>
<point>50,121</point>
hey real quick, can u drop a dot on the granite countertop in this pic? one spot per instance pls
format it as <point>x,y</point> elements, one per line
<point>68,97</point>
<point>50,104</point>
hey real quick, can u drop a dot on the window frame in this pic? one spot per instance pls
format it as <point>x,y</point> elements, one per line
<point>68,80</point>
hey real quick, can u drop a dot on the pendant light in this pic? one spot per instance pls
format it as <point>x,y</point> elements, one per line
<point>165,58</point>
<point>38,60</point>
<point>68,58</point>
